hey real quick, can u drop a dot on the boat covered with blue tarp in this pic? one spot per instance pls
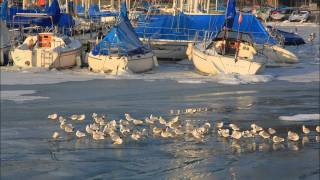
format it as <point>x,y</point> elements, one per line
<point>186,26</point>
<point>121,50</point>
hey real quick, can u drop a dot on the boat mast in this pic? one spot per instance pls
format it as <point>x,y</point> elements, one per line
<point>112,4</point>
<point>208,6</point>
<point>216,5</point>
<point>195,6</point>
<point>67,7</point>
<point>181,5</point>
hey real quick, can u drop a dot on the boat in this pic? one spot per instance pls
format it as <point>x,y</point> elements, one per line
<point>4,44</point>
<point>121,50</point>
<point>281,14</point>
<point>227,54</point>
<point>299,15</point>
<point>284,37</point>
<point>47,50</point>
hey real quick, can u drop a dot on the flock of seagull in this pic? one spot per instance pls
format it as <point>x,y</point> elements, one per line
<point>135,129</point>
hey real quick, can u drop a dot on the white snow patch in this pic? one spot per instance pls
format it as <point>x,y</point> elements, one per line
<point>300,117</point>
<point>20,95</point>
<point>190,81</point>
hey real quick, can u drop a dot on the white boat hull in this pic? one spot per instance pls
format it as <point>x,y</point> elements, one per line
<point>214,65</point>
<point>277,54</point>
<point>45,59</point>
<point>58,55</point>
<point>114,64</point>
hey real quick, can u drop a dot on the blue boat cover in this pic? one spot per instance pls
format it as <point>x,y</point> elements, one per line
<point>94,12</point>
<point>3,10</point>
<point>291,38</point>
<point>121,38</point>
<point>230,13</point>
<point>185,27</point>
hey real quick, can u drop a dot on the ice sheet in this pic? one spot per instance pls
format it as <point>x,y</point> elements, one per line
<point>20,95</point>
<point>300,117</point>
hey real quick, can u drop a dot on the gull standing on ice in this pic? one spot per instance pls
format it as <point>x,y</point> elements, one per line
<point>292,136</point>
<point>305,130</point>
<point>80,134</point>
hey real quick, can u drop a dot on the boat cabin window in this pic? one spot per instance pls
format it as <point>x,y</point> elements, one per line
<point>231,43</point>
<point>233,35</point>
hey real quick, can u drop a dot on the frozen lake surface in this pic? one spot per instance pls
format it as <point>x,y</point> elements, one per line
<point>283,98</point>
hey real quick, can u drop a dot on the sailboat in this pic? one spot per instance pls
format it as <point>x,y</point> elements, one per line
<point>47,49</point>
<point>121,50</point>
<point>229,51</point>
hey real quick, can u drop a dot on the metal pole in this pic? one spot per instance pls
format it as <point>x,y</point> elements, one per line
<point>67,7</point>
<point>216,5</point>
<point>208,6</point>
<point>112,4</point>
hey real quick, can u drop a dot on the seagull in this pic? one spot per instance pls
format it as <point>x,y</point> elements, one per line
<point>98,119</point>
<point>74,117</point>
<point>123,130</point>
<point>162,121</point>
<point>128,117</point>
<point>149,121</point>
<point>224,132</point>
<point>153,118</point>
<point>117,140</point>
<point>68,128</point>
<point>166,133</point>
<point>80,134</point>
<point>102,122</point>
<point>293,136</point>
<point>94,115</point>
<point>89,129</point>
<point>156,130</point>
<point>55,135</point>
<point>137,122</point>
<point>136,135</point>
<point>236,135</point>
<point>97,135</point>
<point>318,129</point>
<point>94,126</point>
<point>207,125</point>
<point>61,118</point>
<point>197,134</point>
<point>53,116</point>
<point>256,127</point>
<point>219,125</point>
<point>173,122</point>
<point>264,134</point>
<point>247,134</point>
<point>305,130</point>
<point>234,127</point>
<point>81,117</point>
<point>63,125</point>
<point>124,122</point>
<point>277,139</point>
<point>271,131</point>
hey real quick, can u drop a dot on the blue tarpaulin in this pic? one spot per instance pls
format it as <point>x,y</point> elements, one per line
<point>230,13</point>
<point>121,38</point>
<point>185,27</point>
